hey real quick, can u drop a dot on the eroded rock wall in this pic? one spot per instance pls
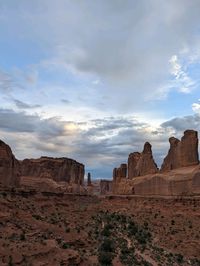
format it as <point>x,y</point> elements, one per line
<point>9,166</point>
<point>182,153</point>
<point>105,187</point>
<point>57,169</point>
<point>140,164</point>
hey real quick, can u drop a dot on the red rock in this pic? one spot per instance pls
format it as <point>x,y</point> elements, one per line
<point>57,169</point>
<point>89,181</point>
<point>146,164</point>
<point>120,172</point>
<point>114,174</point>
<point>182,153</point>
<point>189,148</point>
<point>9,166</point>
<point>140,164</point>
<point>105,186</point>
<point>132,164</point>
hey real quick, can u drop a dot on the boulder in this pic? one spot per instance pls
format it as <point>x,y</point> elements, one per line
<point>9,166</point>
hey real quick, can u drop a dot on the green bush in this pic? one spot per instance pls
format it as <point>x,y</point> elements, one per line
<point>105,258</point>
<point>107,245</point>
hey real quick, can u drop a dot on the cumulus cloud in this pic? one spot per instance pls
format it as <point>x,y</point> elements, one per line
<point>180,124</point>
<point>196,107</point>
<point>111,58</point>
<point>127,46</point>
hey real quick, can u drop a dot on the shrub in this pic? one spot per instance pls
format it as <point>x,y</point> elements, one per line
<point>179,258</point>
<point>107,245</point>
<point>105,258</point>
<point>22,236</point>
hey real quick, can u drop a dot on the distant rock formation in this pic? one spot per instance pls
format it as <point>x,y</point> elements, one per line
<point>140,164</point>
<point>67,172</point>
<point>105,186</point>
<point>182,153</point>
<point>120,172</point>
<point>179,174</point>
<point>146,164</point>
<point>9,166</point>
<point>133,159</point>
<point>57,169</point>
<point>89,181</point>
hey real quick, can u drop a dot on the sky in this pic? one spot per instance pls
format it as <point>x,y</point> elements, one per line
<point>93,80</point>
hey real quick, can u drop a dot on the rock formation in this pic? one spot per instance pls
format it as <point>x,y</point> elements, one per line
<point>140,164</point>
<point>179,174</point>
<point>182,153</point>
<point>57,169</point>
<point>9,166</point>
<point>132,164</point>
<point>146,164</point>
<point>189,148</point>
<point>89,181</point>
<point>105,186</point>
<point>120,172</point>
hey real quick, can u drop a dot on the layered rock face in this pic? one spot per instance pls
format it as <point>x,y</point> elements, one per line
<point>119,173</point>
<point>146,164</point>
<point>179,174</point>
<point>185,182</point>
<point>133,160</point>
<point>105,186</point>
<point>182,153</point>
<point>57,169</point>
<point>9,166</point>
<point>140,164</point>
<point>189,148</point>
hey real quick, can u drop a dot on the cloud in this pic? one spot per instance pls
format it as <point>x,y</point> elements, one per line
<point>182,80</point>
<point>196,107</point>
<point>65,101</point>
<point>180,124</point>
<point>23,105</point>
<point>112,59</point>
<point>125,46</point>
<point>100,144</point>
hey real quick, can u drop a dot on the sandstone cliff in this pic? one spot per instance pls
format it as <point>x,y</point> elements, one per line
<point>146,164</point>
<point>9,166</point>
<point>184,181</point>
<point>179,174</point>
<point>182,153</point>
<point>140,164</point>
<point>105,186</point>
<point>57,169</point>
<point>133,159</point>
<point>120,172</point>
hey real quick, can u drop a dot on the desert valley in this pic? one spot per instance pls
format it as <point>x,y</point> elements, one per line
<point>99,133</point>
<point>145,216</point>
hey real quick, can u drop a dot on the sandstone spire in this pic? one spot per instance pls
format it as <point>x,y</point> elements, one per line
<point>182,153</point>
